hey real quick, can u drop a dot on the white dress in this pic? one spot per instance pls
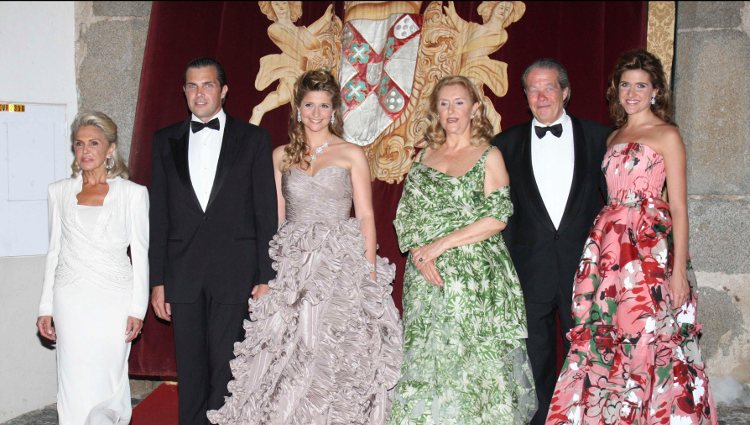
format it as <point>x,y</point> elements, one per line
<point>90,288</point>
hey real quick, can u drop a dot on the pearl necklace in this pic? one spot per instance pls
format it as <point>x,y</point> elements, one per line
<point>319,150</point>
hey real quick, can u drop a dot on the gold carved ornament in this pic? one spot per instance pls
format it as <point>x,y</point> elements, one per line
<point>449,45</point>
<point>660,35</point>
<point>302,49</point>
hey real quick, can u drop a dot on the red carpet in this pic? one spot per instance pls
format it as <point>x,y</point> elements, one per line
<point>158,408</point>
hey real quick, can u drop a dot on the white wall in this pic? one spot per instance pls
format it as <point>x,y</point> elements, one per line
<point>37,65</point>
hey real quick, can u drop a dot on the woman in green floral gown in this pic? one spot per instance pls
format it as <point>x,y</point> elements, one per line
<point>465,358</point>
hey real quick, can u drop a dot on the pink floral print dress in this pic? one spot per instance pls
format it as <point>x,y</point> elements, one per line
<point>633,359</point>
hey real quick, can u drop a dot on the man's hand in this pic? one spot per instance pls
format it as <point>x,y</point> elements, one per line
<point>162,309</point>
<point>259,290</point>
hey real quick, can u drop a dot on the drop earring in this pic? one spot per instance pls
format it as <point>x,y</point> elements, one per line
<point>299,116</point>
<point>333,119</point>
<point>653,100</point>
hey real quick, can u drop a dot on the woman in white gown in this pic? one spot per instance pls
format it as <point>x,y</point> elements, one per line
<point>93,299</point>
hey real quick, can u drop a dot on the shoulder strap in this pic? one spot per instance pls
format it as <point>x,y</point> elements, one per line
<point>483,158</point>
<point>420,155</point>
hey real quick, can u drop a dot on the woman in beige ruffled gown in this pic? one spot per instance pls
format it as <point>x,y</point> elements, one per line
<point>323,344</point>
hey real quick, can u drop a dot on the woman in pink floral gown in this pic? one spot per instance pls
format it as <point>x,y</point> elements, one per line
<point>634,355</point>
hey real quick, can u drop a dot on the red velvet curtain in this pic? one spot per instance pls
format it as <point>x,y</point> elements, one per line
<point>587,37</point>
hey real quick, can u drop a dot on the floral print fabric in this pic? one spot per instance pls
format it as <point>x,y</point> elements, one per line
<point>465,358</point>
<point>633,359</point>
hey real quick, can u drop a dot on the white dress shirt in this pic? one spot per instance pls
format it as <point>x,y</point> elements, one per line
<point>552,160</point>
<point>203,157</point>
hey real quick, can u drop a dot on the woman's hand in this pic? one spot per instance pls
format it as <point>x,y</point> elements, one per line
<point>430,273</point>
<point>46,328</point>
<point>133,328</point>
<point>423,259</point>
<point>427,253</point>
<point>259,290</point>
<point>679,288</point>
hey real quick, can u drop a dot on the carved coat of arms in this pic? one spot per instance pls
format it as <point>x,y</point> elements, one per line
<point>388,57</point>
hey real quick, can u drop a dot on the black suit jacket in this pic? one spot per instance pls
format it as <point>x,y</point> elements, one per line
<point>225,248</point>
<point>545,258</point>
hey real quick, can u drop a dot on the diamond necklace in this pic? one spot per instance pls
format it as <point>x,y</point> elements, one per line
<point>319,150</point>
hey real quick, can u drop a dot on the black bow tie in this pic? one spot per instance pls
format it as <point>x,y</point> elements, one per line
<point>556,130</point>
<point>197,126</point>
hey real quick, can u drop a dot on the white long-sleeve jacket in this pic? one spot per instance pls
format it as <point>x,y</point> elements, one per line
<point>98,254</point>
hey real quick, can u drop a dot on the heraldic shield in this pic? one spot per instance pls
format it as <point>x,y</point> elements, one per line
<point>378,61</point>
<point>388,56</point>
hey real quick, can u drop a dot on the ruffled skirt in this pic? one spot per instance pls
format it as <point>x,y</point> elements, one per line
<point>324,345</point>
<point>633,358</point>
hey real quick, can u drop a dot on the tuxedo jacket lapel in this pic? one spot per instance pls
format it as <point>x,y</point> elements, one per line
<point>579,172</point>
<point>179,148</point>
<point>229,145</point>
<point>529,186</point>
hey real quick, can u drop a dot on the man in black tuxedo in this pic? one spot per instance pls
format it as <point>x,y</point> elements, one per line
<point>557,188</point>
<point>213,213</point>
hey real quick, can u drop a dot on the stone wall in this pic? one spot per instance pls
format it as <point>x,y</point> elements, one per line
<point>712,96</point>
<point>110,39</point>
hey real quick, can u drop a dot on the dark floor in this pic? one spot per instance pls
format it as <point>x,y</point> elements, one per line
<point>728,415</point>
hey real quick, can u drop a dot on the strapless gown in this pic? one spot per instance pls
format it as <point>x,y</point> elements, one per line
<point>324,346</point>
<point>633,358</point>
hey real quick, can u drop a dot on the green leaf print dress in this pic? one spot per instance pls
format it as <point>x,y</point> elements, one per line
<point>465,359</point>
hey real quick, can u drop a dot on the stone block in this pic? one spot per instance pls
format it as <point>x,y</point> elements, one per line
<point>724,311</point>
<point>109,74</point>
<point>122,8</point>
<point>714,307</point>
<point>707,14</point>
<point>141,388</point>
<point>711,106</point>
<point>719,235</point>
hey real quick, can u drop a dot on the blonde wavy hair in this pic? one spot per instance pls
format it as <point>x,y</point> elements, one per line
<point>314,80</point>
<point>104,123</point>
<point>481,128</point>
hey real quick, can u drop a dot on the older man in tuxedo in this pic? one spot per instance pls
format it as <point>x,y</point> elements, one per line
<point>213,213</point>
<point>557,189</point>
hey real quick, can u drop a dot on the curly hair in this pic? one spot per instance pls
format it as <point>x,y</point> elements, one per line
<point>104,123</point>
<point>481,128</point>
<point>648,62</point>
<point>314,80</point>
<point>295,10</point>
